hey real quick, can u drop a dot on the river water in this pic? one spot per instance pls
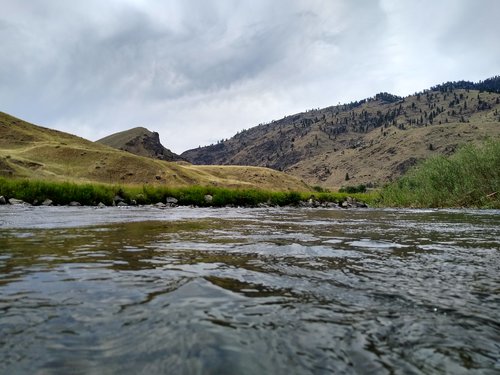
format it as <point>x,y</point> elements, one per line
<point>249,291</point>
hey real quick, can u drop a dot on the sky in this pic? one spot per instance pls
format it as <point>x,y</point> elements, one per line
<point>198,71</point>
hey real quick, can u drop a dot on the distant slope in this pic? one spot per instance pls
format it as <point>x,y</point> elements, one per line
<point>32,151</point>
<point>371,141</point>
<point>140,141</point>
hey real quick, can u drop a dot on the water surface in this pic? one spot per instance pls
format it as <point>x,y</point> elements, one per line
<point>248,291</point>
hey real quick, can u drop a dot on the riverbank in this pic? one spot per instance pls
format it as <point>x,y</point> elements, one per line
<point>469,178</point>
<point>17,191</point>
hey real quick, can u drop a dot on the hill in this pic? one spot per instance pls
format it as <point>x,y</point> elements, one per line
<point>140,141</point>
<point>35,152</point>
<point>371,141</point>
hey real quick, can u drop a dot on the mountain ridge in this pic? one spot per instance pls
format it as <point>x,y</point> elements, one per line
<point>371,141</point>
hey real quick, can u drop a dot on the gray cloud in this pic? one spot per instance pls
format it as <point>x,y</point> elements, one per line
<point>198,70</point>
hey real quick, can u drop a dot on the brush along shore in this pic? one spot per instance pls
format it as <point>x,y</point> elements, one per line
<point>468,178</point>
<point>33,192</point>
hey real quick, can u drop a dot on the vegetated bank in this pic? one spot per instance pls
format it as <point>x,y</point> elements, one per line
<point>64,193</point>
<point>468,178</point>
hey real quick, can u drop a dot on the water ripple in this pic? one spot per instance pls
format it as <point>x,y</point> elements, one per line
<point>224,291</point>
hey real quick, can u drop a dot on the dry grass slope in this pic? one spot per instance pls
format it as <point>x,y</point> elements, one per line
<point>34,152</point>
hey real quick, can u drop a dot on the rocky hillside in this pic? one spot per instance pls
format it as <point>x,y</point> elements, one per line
<point>370,141</point>
<point>140,141</point>
<point>34,152</point>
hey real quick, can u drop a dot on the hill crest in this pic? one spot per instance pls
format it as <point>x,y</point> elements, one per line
<point>34,152</point>
<point>140,141</point>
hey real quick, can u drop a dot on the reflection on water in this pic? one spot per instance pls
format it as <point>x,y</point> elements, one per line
<point>248,291</point>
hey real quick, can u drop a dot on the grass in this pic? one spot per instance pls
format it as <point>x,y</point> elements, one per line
<point>59,192</point>
<point>468,178</point>
<point>63,193</point>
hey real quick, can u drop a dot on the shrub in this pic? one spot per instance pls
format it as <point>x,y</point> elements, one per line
<point>353,189</point>
<point>469,178</point>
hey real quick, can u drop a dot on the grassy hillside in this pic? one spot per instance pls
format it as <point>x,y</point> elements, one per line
<point>140,141</point>
<point>371,141</point>
<point>34,152</point>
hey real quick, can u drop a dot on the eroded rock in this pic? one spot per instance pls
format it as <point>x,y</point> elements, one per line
<point>47,202</point>
<point>171,201</point>
<point>15,201</point>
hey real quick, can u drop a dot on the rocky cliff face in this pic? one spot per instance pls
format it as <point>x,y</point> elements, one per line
<point>140,141</point>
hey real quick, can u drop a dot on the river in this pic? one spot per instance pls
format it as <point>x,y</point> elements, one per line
<point>248,291</point>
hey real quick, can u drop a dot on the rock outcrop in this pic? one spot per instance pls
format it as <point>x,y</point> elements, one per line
<point>140,141</point>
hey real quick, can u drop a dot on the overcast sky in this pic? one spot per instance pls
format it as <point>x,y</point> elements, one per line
<point>197,71</point>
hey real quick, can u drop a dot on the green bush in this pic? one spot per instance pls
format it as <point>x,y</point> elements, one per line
<point>353,189</point>
<point>469,178</point>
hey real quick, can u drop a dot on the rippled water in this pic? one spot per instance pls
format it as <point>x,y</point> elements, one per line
<point>248,291</point>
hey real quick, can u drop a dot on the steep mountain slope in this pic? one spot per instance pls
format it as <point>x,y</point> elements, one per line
<point>370,141</point>
<point>140,141</point>
<point>32,151</point>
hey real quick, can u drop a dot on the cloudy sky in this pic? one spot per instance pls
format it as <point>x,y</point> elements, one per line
<point>198,71</point>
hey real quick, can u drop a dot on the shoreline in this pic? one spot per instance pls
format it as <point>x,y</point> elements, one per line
<point>172,202</point>
<point>41,192</point>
